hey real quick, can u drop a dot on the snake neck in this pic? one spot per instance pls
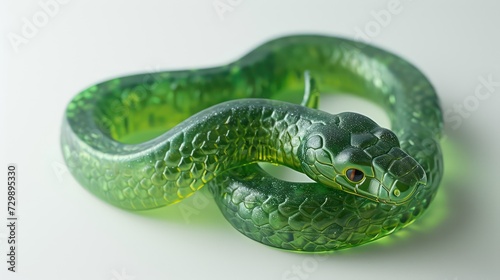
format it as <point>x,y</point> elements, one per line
<point>236,134</point>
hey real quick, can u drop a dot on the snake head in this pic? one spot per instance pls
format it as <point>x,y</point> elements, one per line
<point>356,155</point>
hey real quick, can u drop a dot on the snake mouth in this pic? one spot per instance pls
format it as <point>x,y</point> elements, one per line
<point>390,190</point>
<point>395,193</point>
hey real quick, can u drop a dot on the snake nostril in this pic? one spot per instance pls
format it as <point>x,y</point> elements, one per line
<point>397,192</point>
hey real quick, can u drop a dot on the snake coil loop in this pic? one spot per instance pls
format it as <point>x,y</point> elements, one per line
<point>150,140</point>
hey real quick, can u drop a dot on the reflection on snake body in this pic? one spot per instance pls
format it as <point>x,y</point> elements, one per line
<point>211,126</point>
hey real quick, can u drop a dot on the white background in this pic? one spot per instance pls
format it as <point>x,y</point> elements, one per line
<point>66,233</point>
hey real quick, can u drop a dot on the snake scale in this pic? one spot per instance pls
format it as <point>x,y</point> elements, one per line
<point>211,127</point>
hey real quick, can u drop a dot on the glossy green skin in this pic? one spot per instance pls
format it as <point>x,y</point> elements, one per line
<point>219,146</point>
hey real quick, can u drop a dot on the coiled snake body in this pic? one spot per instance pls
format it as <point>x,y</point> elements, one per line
<point>220,121</point>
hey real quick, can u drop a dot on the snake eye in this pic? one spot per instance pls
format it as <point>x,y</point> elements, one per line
<point>354,175</point>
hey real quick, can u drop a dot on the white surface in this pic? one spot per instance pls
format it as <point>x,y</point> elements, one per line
<point>66,233</point>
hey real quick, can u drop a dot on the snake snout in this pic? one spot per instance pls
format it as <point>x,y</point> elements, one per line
<point>400,174</point>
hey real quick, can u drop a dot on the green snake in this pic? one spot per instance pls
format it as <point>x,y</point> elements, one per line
<point>212,126</point>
